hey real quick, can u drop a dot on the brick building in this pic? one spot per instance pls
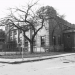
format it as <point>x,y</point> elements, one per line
<point>49,38</point>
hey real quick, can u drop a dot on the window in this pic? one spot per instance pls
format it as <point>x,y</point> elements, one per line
<point>1,40</point>
<point>15,39</point>
<point>10,33</point>
<point>34,42</point>
<point>20,31</point>
<point>26,42</point>
<point>54,40</point>
<point>68,36</point>
<point>10,38</point>
<point>20,42</point>
<point>42,40</point>
<point>15,31</point>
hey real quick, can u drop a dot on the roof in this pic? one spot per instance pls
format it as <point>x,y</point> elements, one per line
<point>66,23</point>
<point>69,31</point>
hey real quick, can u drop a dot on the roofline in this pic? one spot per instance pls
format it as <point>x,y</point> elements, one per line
<point>69,31</point>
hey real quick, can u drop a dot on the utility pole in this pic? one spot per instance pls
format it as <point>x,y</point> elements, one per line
<point>22,46</point>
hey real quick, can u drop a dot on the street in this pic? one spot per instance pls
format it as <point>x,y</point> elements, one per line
<point>57,66</point>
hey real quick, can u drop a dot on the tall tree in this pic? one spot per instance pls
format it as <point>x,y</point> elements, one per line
<point>26,16</point>
<point>49,13</point>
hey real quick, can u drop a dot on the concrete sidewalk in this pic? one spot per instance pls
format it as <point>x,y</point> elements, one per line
<point>20,60</point>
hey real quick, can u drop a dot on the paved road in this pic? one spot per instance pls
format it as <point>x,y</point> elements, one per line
<point>57,66</point>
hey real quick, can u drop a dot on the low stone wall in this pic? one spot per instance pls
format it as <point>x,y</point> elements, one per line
<point>56,48</point>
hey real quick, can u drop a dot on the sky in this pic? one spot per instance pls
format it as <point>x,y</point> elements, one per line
<point>63,7</point>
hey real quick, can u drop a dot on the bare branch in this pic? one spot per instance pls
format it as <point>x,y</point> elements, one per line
<point>26,36</point>
<point>21,17</point>
<point>17,9</point>
<point>29,7</point>
<point>34,4</point>
<point>31,25</point>
<point>10,30</point>
<point>38,29</point>
<point>13,24</point>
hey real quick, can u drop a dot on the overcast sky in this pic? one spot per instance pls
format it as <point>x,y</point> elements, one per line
<point>66,7</point>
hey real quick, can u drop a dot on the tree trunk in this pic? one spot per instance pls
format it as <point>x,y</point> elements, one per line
<point>31,47</point>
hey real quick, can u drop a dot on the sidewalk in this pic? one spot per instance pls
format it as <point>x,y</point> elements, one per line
<point>20,60</point>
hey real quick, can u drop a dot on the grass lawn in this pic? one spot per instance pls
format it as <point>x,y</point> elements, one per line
<point>28,55</point>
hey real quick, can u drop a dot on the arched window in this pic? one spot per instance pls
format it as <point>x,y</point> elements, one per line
<point>54,40</point>
<point>42,40</point>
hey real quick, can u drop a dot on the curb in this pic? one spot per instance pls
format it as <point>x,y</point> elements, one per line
<point>36,59</point>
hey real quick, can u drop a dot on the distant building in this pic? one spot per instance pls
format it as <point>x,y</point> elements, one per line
<point>69,40</point>
<point>15,34</point>
<point>2,39</point>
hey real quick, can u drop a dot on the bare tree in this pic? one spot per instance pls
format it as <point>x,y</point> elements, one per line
<point>29,19</point>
